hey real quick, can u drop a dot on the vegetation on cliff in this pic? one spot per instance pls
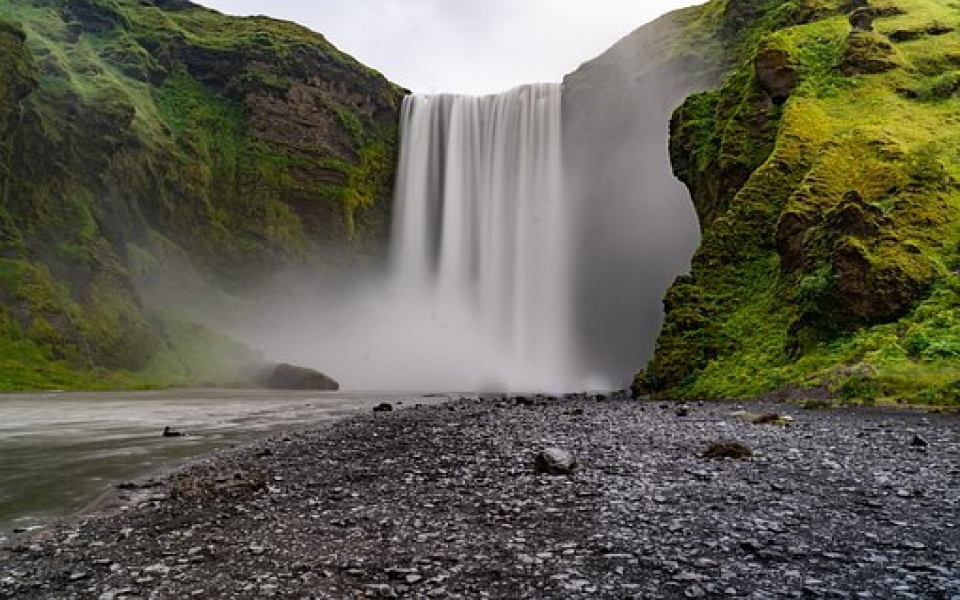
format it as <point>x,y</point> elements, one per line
<point>826,176</point>
<point>159,143</point>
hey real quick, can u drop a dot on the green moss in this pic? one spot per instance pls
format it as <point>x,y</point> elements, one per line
<point>196,355</point>
<point>126,121</point>
<point>831,224</point>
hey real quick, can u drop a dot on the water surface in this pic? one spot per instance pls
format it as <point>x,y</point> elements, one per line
<point>60,451</point>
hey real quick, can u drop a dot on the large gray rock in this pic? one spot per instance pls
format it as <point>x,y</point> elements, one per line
<point>554,461</point>
<point>291,377</point>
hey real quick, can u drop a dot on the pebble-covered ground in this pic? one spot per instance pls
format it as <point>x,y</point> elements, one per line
<point>447,502</point>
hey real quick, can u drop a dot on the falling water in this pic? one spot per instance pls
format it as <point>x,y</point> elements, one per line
<point>479,227</point>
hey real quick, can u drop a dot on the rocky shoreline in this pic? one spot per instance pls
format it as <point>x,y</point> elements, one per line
<point>450,501</point>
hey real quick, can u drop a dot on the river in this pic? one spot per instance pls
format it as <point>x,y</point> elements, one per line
<point>60,451</point>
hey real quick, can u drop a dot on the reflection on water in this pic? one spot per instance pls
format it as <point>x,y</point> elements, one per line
<point>59,451</point>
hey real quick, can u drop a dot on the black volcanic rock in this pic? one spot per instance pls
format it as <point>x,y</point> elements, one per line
<point>292,377</point>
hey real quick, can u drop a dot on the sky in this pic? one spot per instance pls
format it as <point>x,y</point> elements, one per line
<point>465,46</point>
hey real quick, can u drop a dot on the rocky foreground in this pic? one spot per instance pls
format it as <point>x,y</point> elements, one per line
<point>451,501</point>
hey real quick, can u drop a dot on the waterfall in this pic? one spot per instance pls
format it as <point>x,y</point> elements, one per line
<point>479,235</point>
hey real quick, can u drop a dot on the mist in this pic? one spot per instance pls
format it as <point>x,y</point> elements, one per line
<point>637,228</point>
<point>524,299</point>
<point>372,336</point>
<point>628,230</point>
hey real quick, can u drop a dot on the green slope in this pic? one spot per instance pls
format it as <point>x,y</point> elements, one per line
<point>826,175</point>
<point>143,140</point>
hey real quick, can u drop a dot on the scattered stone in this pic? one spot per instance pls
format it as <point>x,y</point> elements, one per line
<point>170,433</point>
<point>555,461</point>
<point>447,494</point>
<point>728,449</point>
<point>524,401</point>
<point>773,419</point>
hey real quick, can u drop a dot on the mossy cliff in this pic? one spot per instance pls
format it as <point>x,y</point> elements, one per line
<point>142,141</point>
<point>825,173</point>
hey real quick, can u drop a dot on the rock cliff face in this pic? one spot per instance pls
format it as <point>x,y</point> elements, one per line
<point>164,144</point>
<point>825,174</point>
<point>632,216</point>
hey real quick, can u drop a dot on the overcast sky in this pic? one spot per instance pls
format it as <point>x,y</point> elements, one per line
<point>465,46</point>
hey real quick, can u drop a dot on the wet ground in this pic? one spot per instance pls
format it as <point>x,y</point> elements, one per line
<point>59,451</point>
<point>448,502</point>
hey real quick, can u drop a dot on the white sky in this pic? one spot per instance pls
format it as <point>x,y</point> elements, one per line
<point>465,46</point>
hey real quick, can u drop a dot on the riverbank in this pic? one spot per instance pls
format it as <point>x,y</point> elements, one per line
<point>445,501</point>
<point>60,451</point>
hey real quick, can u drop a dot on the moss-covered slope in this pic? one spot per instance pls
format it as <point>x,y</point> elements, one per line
<point>146,139</point>
<point>826,175</point>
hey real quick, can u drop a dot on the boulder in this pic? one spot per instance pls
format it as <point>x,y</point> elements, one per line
<point>554,461</point>
<point>291,377</point>
<point>728,449</point>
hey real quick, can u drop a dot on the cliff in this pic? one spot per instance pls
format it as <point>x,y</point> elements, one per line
<point>824,172</point>
<point>634,222</point>
<point>159,150</point>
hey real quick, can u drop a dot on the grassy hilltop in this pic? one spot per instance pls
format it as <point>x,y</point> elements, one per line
<point>162,144</point>
<point>826,174</point>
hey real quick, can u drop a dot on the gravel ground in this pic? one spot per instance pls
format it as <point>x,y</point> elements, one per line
<point>446,502</point>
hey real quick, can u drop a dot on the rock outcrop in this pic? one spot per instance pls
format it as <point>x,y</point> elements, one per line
<point>292,377</point>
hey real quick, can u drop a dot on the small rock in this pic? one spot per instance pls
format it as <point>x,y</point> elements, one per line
<point>919,442</point>
<point>728,449</point>
<point>683,410</point>
<point>554,461</point>
<point>384,407</point>
<point>911,545</point>
<point>695,592</point>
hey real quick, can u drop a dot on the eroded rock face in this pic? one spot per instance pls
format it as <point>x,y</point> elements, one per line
<point>862,19</point>
<point>776,73</point>
<point>869,53</point>
<point>871,289</point>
